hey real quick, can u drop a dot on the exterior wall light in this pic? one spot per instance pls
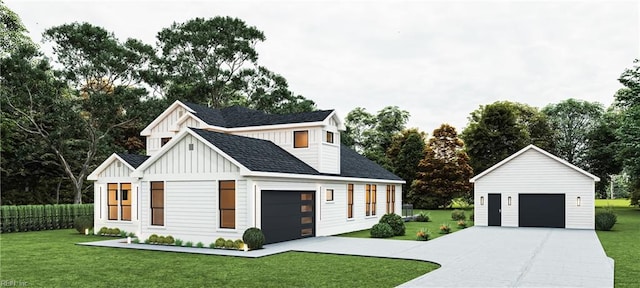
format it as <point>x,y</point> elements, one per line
<point>509,200</point>
<point>578,201</point>
<point>481,200</point>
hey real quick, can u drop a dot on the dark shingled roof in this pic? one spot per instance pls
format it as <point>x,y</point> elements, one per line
<point>352,164</point>
<point>133,159</point>
<point>265,156</point>
<point>236,116</point>
<point>256,154</point>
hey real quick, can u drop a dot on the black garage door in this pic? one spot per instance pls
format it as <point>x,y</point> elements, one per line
<point>542,210</point>
<point>287,215</point>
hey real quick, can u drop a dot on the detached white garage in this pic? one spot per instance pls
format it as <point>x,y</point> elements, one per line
<point>533,188</point>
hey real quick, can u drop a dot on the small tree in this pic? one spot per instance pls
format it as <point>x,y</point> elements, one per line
<point>444,172</point>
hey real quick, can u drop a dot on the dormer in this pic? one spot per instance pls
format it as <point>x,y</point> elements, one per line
<point>313,137</point>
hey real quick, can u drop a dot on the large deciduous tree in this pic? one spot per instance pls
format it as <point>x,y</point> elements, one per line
<point>444,172</point>
<point>404,154</point>
<point>500,129</point>
<point>628,99</point>
<point>602,148</point>
<point>572,120</point>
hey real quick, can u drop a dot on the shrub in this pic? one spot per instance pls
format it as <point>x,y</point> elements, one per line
<point>253,237</point>
<point>462,224</point>
<point>396,223</point>
<point>135,240</point>
<point>110,232</point>
<point>123,233</point>
<point>229,244</point>
<point>178,242</point>
<point>188,244</point>
<point>103,231</point>
<point>238,244</point>
<point>131,234</point>
<point>605,220</point>
<point>422,235</point>
<point>220,242</point>
<point>471,217</point>
<point>381,230</point>
<point>169,240</point>
<point>200,245</point>
<point>153,238</point>
<point>445,229</point>
<point>147,241</point>
<point>423,217</point>
<point>83,222</point>
<point>116,231</point>
<point>458,215</point>
<point>160,240</point>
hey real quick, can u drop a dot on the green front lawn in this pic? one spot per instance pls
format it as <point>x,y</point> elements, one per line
<point>438,217</point>
<point>621,243</point>
<point>51,259</point>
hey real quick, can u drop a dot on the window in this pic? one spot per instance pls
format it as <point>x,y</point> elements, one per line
<point>164,140</point>
<point>301,139</point>
<point>391,199</point>
<point>370,200</point>
<point>112,201</point>
<point>329,194</point>
<point>329,137</point>
<point>157,203</point>
<point>125,201</point>
<point>349,201</point>
<point>227,204</point>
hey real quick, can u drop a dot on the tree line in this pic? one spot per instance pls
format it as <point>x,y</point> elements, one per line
<point>62,116</point>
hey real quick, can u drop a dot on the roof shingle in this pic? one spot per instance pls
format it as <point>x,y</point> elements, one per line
<point>133,159</point>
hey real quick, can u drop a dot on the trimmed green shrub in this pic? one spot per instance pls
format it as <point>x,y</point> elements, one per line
<point>238,244</point>
<point>178,242</point>
<point>123,233</point>
<point>212,245</point>
<point>423,217</point>
<point>396,223</point>
<point>457,215</point>
<point>188,244</point>
<point>103,231</point>
<point>169,240</point>
<point>147,241</point>
<point>160,240</point>
<point>229,244</point>
<point>135,240</point>
<point>200,245</point>
<point>381,230</point>
<point>153,238</point>
<point>111,231</point>
<point>220,242</point>
<point>41,217</point>
<point>131,234</point>
<point>116,231</point>
<point>253,237</point>
<point>83,222</point>
<point>605,220</point>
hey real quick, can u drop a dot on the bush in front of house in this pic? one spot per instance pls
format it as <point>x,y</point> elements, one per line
<point>169,240</point>
<point>178,242</point>
<point>423,217</point>
<point>229,244</point>
<point>381,230</point>
<point>605,220</point>
<point>153,238</point>
<point>82,223</point>
<point>253,237</point>
<point>219,242</point>
<point>188,244</point>
<point>423,234</point>
<point>200,245</point>
<point>160,240</point>
<point>238,244</point>
<point>395,222</point>
<point>457,215</point>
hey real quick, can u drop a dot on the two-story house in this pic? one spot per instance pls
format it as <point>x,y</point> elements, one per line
<point>212,173</point>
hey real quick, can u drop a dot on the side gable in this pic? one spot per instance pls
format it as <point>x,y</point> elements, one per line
<point>114,166</point>
<point>167,118</point>
<point>540,151</point>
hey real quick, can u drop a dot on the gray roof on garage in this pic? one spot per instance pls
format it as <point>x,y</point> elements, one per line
<point>265,156</point>
<point>236,116</point>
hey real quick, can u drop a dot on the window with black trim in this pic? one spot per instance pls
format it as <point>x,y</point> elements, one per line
<point>329,195</point>
<point>301,139</point>
<point>157,203</point>
<point>329,137</point>
<point>227,204</point>
<point>349,201</point>
<point>164,140</point>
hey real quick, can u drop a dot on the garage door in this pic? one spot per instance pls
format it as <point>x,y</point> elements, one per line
<point>542,210</point>
<point>287,215</point>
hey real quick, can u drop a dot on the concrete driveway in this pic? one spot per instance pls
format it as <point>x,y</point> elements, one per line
<point>488,257</point>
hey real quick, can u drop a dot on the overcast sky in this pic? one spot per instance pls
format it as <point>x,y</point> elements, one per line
<point>437,60</point>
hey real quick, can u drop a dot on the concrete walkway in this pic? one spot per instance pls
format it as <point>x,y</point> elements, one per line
<point>474,257</point>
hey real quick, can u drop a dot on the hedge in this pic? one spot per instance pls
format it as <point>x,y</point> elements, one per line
<point>41,217</point>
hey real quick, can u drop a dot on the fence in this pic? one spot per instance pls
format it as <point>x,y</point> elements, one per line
<point>41,217</point>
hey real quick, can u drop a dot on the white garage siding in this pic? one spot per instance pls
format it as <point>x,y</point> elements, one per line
<point>533,172</point>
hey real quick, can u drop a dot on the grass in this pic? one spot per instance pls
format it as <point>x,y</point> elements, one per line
<point>621,243</point>
<point>51,259</point>
<point>438,217</point>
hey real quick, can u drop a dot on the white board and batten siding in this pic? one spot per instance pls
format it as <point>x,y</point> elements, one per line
<point>163,129</point>
<point>191,159</point>
<point>116,169</point>
<point>535,173</point>
<point>116,172</point>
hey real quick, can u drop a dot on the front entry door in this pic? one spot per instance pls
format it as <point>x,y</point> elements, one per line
<point>495,210</point>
